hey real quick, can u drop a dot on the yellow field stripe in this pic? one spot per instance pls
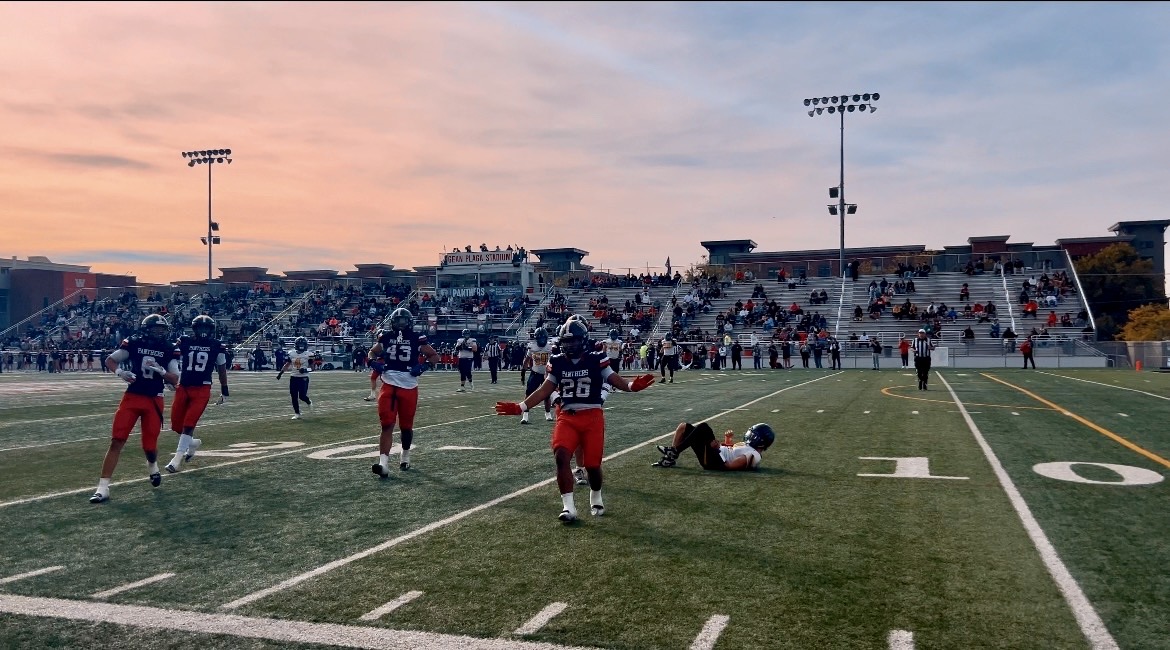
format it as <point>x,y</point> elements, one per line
<point>1099,429</point>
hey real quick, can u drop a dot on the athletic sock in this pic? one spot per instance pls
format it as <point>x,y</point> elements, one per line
<point>384,461</point>
<point>567,501</point>
<point>405,458</point>
<point>103,485</point>
<point>595,498</point>
<point>184,443</point>
<point>153,468</point>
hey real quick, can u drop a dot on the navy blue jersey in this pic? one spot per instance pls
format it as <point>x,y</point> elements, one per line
<point>149,382</point>
<point>197,359</point>
<point>580,381</point>
<point>400,352</point>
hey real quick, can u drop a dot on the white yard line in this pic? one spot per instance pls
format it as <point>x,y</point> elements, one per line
<point>900,640</point>
<point>330,634</point>
<point>390,543</point>
<point>171,477</point>
<point>1097,383</point>
<point>541,619</point>
<point>1087,617</point>
<point>133,585</point>
<point>378,613</point>
<point>30,574</point>
<point>710,632</point>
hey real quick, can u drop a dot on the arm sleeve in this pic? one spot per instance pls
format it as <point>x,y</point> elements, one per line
<point>173,366</point>
<point>119,355</point>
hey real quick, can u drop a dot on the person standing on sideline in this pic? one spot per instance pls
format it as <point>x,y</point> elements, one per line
<point>1026,350</point>
<point>143,398</point>
<point>197,357</point>
<point>875,346</point>
<point>298,381</point>
<point>578,372</point>
<point>465,350</point>
<point>493,357</point>
<point>398,349</point>
<point>904,350</point>
<point>922,347</point>
<point>835,352</point>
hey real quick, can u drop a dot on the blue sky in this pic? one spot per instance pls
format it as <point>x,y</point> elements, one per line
<point>390,132</point>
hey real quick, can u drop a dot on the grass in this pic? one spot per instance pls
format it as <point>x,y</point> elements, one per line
<point>803,554</point>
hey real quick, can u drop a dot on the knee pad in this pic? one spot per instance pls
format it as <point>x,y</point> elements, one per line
<point>407,438</point>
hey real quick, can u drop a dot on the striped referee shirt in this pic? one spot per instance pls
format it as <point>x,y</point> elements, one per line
<point>493,350</point>
<point>921,347</point>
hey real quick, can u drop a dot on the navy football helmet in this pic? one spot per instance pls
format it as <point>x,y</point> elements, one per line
<point>203,326</point>
<point>614,334</point>
<point>155,326</point>
<point>466,334</point>
<point>301,344</point>
<point>759,436</point>
<point>541,337</point>
<point>401,320</point>
<point>574,337</point>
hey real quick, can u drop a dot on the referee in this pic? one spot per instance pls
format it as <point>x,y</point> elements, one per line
<point>493,355</point>
<point>922,347</point>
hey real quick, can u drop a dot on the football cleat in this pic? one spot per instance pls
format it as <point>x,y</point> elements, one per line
<point>368,398</point>
<point>597,510</point>
<point>156,479</point>
<point>98,497</point>
<point>196,443</point>
<point>404,466</point>
<point>171,468</point>
<point>379,470</point>
<point>665,462</point>
<point>548,416</point>
<point>461,390</point>
<point>296,416</point>
<point>567,517</point>
<point>579,474</point>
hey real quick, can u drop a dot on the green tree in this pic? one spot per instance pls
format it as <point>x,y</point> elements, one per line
<point>1148,323</point>
<point>1116,281</point>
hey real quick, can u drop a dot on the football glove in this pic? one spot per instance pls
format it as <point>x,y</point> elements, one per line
<point>641,382</point>
<point>126,375</point>
<point>279,374</point>
<point>418,369</point>
<point>155,367</point>
<point>510,408</point>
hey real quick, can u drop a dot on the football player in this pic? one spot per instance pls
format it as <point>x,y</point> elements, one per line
<point>376,369</point>
<point>196,356</point>
<point>612,347</point>
<point>465,349</point>
<point>536,361</point>
<point>298,382</point>
<point>668,360</point>
<point>143,400</point>
<point>579,372</point>
<point>398,349</point>
<point>715,456</point>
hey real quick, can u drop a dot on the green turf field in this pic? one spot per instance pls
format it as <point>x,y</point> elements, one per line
<point>883,517</point>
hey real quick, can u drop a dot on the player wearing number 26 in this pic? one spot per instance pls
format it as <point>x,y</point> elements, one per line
<point>145,353</point>
<point>578,372</point>
<point>197,357</point>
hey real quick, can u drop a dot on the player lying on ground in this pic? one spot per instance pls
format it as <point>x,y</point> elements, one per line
<point>715,456</point>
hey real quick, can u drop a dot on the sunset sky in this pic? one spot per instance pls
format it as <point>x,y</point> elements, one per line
<point>389,133</point>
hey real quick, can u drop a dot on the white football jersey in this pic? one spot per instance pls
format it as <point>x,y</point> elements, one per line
<point>729,454</point>
<point>668,348</point>
<point>301,361</point>
<point>465,348</point>
<point>613,349</point>
<point>539,356</point>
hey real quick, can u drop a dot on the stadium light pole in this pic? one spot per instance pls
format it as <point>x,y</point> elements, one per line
<point>209,157</point>
<point>841,104</point>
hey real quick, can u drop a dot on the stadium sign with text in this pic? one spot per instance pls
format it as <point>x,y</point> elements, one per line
<point>491,257</point>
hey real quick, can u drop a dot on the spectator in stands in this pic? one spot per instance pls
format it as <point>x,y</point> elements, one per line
<point>994,331</point>
<point>1051,322</point>
<point>964,293</point>
<point>1009,339</point>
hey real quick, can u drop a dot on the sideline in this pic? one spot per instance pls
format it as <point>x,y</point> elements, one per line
<point>1087,617</point>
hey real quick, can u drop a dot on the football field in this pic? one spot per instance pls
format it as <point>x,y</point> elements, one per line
<point>999,509</point>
